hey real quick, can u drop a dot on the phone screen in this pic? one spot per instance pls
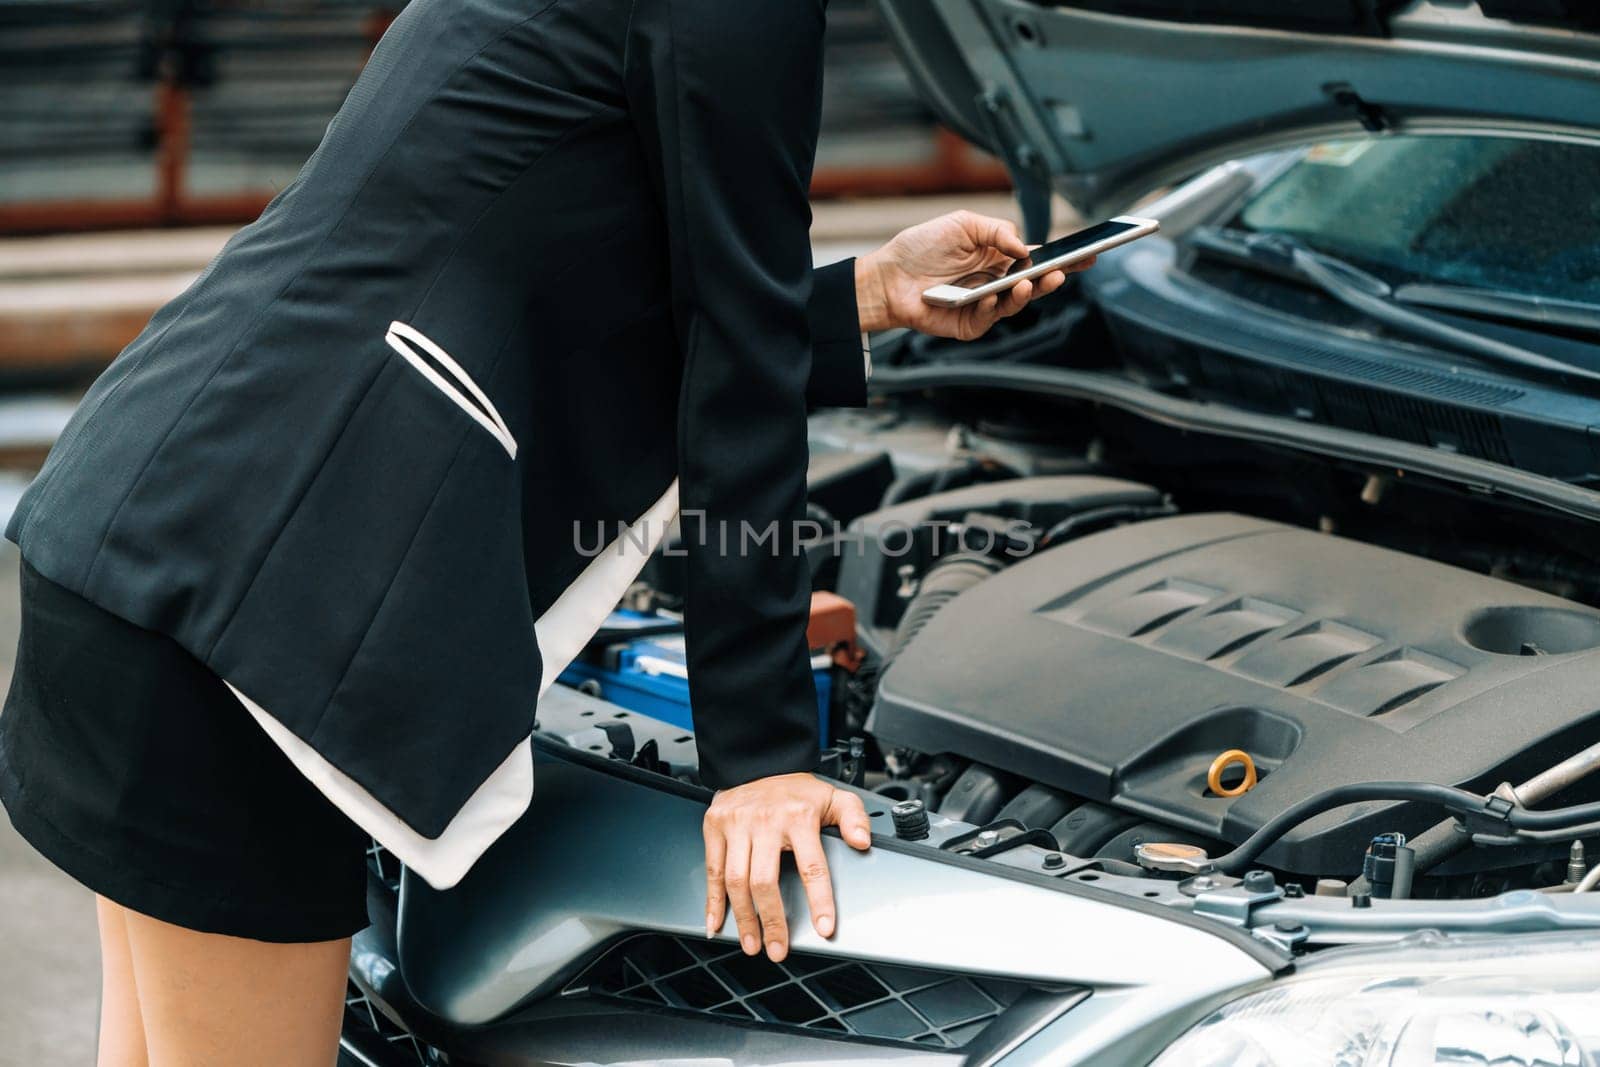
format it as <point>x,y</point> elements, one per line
<point>1070,243</point>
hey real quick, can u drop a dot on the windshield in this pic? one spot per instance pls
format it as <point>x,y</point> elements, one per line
<point>1487,212</point>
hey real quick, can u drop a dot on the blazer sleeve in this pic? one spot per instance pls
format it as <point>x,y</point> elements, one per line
<point>726,97</point>
<point>839,361</point>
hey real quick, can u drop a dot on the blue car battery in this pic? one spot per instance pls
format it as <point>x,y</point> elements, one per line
<point>649,673</point>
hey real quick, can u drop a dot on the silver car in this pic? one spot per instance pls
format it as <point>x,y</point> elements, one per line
<point>1224,682</point>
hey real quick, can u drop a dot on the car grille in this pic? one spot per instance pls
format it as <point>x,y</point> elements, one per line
<point>370,1037</point>
<point>819,994</point>
<point>381,862</point>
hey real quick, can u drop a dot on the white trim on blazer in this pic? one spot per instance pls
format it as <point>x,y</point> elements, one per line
<point>401,337</point>
<point>500,800</point>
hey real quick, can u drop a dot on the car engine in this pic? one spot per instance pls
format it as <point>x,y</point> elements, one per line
<point>1072,646</point>
<point>1137,655</point>
<point>1111,672</point>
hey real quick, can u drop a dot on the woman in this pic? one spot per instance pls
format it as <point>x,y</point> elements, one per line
<point>304,558</point>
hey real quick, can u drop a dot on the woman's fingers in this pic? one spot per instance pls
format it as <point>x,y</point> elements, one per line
<point>737,882</point>
<point>975,319</point>
<point>766,855</point>
<point>802,834</point>
<point>1050,283</point>
<point>716,893</point>
<point>1018,298</point>
<point>812,864</point>
<point>747,830</point>
<point>994,233</point>
<point>846,811</point>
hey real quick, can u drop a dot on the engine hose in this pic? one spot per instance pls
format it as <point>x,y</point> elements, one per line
<point>1561,819</point>
<point>1525,825</point>
<point>1421,792</point>
<point>929,482</point>
<point>1540,837</point>
<point>1109,513</point>
<point>1442,840</point>
<point>1431,847</point>
<point>944,581</point>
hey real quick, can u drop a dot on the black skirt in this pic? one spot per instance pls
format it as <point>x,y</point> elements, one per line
<point>134,769</point>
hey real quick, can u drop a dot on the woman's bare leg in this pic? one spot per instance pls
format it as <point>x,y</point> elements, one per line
<point>208,999</point>
<point>121,1029</point>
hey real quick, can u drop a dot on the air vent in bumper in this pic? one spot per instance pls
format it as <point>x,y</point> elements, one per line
<point>817,994</point>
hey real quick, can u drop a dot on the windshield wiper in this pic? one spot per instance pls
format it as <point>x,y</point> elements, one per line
<point>1370,295</point>
<point>1507,305</point>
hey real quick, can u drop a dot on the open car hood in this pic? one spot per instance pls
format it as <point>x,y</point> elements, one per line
<point>1104,100</point>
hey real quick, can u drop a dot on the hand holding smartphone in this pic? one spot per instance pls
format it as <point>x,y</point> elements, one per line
<point>1055,255</point>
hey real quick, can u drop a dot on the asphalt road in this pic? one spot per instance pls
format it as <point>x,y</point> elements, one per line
<point>49,960</point>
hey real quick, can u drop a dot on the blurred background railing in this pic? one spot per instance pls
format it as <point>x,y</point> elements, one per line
<point>135,113</point>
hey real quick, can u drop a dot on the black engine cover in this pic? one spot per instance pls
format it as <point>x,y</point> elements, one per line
<point>1119,666</point>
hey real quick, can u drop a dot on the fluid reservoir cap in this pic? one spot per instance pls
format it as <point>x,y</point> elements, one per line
<point>1172,856</point>
<point>910,820</point>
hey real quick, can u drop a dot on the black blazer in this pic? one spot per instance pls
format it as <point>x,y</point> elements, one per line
<point>549,257</point>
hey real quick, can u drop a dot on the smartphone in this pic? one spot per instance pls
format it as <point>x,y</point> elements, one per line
<point>1048,257</point>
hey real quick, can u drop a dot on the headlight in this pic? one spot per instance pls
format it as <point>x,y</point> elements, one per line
<point>1531,1001</point>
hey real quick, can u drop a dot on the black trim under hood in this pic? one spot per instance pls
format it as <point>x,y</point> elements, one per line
<point>1106,99</point>
<point>1477,475</point>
